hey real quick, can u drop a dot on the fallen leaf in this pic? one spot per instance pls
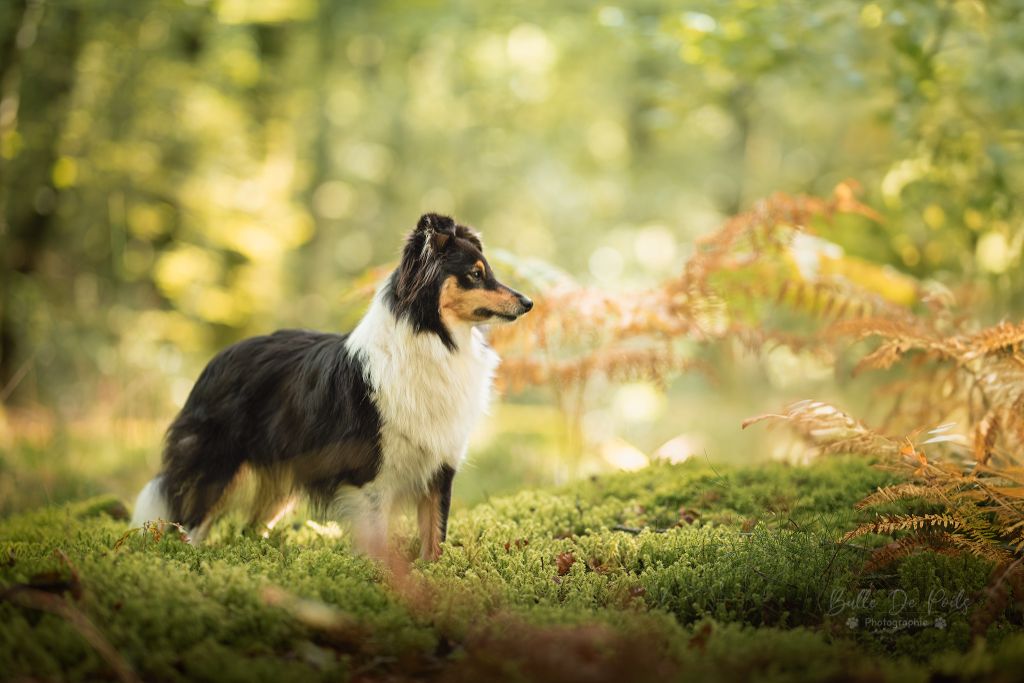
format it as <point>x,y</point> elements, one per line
<point>688,516</point>
<point>564,562</point>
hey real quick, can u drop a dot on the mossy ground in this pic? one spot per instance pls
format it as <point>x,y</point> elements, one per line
<point>693,571</point>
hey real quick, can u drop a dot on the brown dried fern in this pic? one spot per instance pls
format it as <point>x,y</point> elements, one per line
<point>934,541</point>
<point>890,524</point>
<point>830,430</point>
<point>576,333</point>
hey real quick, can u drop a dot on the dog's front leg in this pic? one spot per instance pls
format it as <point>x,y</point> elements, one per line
<point>371,527</point>
<point>433,513</point>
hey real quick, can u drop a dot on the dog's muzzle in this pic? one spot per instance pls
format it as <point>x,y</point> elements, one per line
<point>520,305</point>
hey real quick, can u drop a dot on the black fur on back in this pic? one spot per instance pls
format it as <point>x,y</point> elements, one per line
<point>294,400</point>
<point>437,248</point>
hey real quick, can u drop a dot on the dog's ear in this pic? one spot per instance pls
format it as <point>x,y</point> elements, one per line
<point>437,230</point>
<point>439,240</point>
<point>420,264</point>
<point>469,234</point>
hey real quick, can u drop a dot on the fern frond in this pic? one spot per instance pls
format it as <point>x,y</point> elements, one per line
<point>985,434</point>
<point>980,548</point>
<point>882,358</point>
<point>890,524</point>
<point>1002,337</point>
<point>907,546</point>
<point>911,331</point>
<point>901,492</point>
<point>830,429</point>
<point>1005,577</point>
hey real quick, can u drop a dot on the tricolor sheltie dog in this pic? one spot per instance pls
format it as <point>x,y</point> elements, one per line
<point>356,422</point>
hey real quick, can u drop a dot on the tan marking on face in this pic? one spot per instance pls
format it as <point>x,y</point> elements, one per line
<point>459,305</point>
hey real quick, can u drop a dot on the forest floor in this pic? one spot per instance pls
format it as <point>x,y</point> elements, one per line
<point>692,571</point>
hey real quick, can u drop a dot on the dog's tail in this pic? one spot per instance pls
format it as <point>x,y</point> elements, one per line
<point>152,504</point>
<point>194,479</point>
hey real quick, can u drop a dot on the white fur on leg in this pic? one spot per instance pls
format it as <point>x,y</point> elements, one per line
<point>370,526</point>
<point>371,537</point>
<point>151,505</point>
<point>286,509</point>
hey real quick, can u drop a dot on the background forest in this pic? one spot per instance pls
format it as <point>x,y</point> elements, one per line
<point>730,214</point>
<point>176,175</point>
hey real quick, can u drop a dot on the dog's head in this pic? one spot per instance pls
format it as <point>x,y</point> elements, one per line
<point>444,275</point>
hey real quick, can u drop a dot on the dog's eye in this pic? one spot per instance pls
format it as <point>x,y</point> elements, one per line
<point>476,275</point>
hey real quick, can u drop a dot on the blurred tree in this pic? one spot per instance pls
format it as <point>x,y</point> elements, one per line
<point>176,175</point>
<point>37,78</point>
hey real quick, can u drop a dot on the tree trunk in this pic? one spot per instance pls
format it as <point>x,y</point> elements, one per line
<point>36,103</point>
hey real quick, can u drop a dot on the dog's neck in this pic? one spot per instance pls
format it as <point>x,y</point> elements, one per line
<point>383,324</point>
<point>429,396</point>
<point>421,311</point>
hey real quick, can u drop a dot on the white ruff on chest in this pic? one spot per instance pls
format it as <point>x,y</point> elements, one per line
<point>429,397</point>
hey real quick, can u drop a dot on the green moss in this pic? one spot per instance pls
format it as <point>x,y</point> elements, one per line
<point>709,572</point>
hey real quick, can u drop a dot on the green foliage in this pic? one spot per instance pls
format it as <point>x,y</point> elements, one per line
<point>71,467</point>
<point>693,569</point>
<point>174,176</point>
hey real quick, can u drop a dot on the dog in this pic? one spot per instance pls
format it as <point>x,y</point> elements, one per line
<point>357,422</point>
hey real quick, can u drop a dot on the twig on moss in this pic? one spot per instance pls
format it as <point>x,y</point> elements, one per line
<point>637,530</point>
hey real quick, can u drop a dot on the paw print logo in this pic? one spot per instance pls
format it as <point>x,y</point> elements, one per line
<point>852,622</point>
<point>939,623</point>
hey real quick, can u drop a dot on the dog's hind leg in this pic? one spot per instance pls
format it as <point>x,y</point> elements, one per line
<point>274,497</point>
<point>203,503</point>
<point>200,466</point>
<point>190,507</point>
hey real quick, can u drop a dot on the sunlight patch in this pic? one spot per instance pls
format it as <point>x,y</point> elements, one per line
<point>623,455</point>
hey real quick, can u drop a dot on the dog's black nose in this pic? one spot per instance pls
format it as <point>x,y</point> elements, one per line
<point>525,302</point>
